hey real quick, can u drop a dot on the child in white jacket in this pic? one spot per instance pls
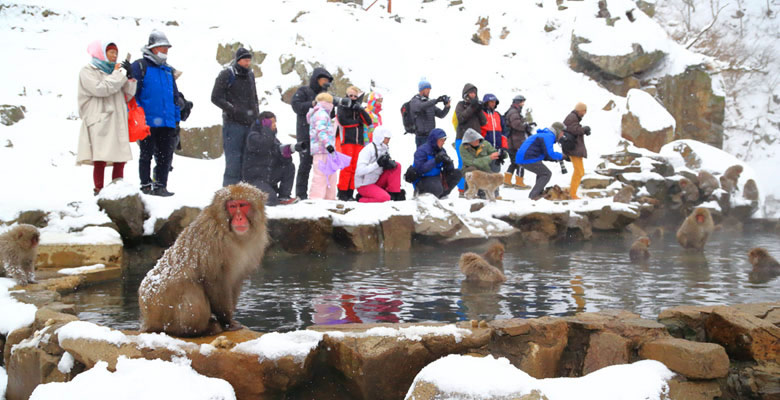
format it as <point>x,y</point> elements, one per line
<point>377,176</point>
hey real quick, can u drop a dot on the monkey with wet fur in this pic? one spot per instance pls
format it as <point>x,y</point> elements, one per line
<point>624,195</point>
<point>729,179</point>
<point>193,290</point>
<point>707,183</point>
<point>750,190</point>
<point>495,255</point>
<point>485,181</point>
<point>639,250</point>
<point>765,267</point>
<point>18,250</point>
<point>696,229</point>
<point>477,269</point>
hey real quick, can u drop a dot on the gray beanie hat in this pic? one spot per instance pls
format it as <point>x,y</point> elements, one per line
<point>471,135</point>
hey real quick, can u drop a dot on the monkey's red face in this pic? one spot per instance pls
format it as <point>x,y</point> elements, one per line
<point>239,211</point>
<point>700,218</point>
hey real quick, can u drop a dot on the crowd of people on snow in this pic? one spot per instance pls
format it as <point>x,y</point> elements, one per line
<point>341,142</point>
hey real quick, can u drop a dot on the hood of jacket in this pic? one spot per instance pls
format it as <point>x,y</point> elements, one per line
<point>490,97</point>
<point>380,133</point>
<point>318,73</point>
<point>434,136</point>
<point>321,106</point>
<point>471,135</point>
<point>469,87</point>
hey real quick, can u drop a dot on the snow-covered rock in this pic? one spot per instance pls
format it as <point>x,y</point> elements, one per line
<point>646,123</point>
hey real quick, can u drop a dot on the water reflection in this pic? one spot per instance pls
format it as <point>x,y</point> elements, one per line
<point>292,292</point>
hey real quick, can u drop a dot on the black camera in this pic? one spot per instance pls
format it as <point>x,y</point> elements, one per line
<point>386,162</point>
<point>301,146</point>
<point>501,156</point>
<point>342,102</point>
<point>563,167</point>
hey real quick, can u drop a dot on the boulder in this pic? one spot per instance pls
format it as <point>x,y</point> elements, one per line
<point>29,367</point>
<point>167,230</point>
<point>540,227</point>
<point>655,184</point>
<point>613,66</point>
<point>397,233</point>
<point>691,159</point>
<point>384,367</point>
<point>359,239</point>
<point>699,112</point>
<point>482,36</point>
<point>605,349</point>
<point>595,181</point>
<point>203,143</point>
<point>69,251</point>
<point>769,312</point>
<point>646,123</point>
<point>533,345</point>
<point>423,390</point>
<point>38,298</point>
<point>753,381</point>
<point>15,337</point>
<point>432,219</point>
<point>681,389</point>
<point>579,227</point>
<point>36,218</point>
<point>691,359</point>
<point>744,336</point>
<point>128,214</point>
<point>299,236</point>
<point>226,53</point>
<point>610,219</point>
<point>648,7</point>
<point>10,114</point>
<point>286,63</point>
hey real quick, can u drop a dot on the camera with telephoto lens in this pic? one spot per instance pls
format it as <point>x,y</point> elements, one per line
<point>563,167</point>
<point>386,162</point>
<point>301,146</point>
<point>345,102</point>
<point>501,156</point>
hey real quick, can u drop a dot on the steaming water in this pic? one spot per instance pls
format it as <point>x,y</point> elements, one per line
<point>292,292</point>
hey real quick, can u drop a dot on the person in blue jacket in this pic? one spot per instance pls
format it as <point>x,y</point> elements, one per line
<point>534,150</point>
<point>156,94</point>
<point>432,163</point>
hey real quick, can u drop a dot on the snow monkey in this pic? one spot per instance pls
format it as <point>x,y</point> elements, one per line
<point>728,181</point>
<point>696,229</point>
<point>639,250</point>
<point>765,267</point>
<point>485,181</point>
<point>707,183</point>
<point>477,269</point>
<point>495,255</point>
<point>202,273</point>
<point>689,193</point>
<point>624,195</point>
<point>750,190</point>
<point>18,250</point>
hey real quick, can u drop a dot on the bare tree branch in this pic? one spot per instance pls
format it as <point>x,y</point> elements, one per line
<point>708,27</point>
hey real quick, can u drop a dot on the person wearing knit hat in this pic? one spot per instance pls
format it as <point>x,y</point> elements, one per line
<point>103,137</point>
<point>267,163</point>
<point>573,126</point>
<point>425,112</point>
<point>235,93</point>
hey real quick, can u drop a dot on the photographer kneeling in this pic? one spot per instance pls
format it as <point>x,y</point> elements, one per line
<point>432,163</point>
<point>479,154</point>
<point>534,150</point>
<point>267,163</point>
<point>377,176</point>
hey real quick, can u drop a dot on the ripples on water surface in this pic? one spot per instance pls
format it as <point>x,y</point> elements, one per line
<point>292,292</point>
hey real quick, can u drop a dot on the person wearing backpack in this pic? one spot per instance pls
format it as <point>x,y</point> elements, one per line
<point>468,114</point>
<point>378,177</point>
<point>424,111</point>
<point>302,101</point>
<point>352,120</point>
<point>267,163</point>
<point>235,93</point>
<point>517,130</point>
<point>573,127</point>
<point>156,93</point>
<point>104,85</point>
<point>491,129</point>
<point>534,150</point>
<point>436,173</point>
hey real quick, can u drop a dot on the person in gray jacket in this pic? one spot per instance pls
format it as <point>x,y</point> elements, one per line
<point>425,111</point>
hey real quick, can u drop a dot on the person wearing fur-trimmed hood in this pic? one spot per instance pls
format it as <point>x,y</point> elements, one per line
<point>377,176</point>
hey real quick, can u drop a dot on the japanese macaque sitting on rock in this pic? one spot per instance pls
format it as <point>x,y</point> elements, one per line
<point>18,250</point>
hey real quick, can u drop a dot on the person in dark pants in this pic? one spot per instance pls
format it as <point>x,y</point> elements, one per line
<point>468,114</point>
<point>302,101</point>
<point>437,172</point>
<point>535,149</point>
<point>236,94</point>
<point>519,130</point>
<point>425,111</point>
<point>157,93</point>
<point>267,163</point>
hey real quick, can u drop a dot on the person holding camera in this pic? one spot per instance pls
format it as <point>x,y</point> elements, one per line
<point>479,154</point>
<point>322,134</point>
<point>534,150</point>
<point>267,163</point>
<point>425,111</point>
<point>302,101</point>
<point>378,177</point>
<point>235,93</point>
<point>352,118</point>
<point>573,127</point>
<point>432,163</point>
<point>468,114</point>
<point>519,130</point>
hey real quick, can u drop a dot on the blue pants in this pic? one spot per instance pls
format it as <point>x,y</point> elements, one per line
<point>160,144</point>
<point>233,139</point>
<point>462,182</point>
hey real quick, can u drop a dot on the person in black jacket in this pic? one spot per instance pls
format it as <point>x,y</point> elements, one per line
<point>267,163</point>
<point>236,94</point>
<point>302,101</point>
<point>425,112</point>
<point>352,119</point>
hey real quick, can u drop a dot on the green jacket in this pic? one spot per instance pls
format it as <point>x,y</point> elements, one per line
<point>478,158</point>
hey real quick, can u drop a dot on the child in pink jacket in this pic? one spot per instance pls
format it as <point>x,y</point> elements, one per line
<point>322,136</point>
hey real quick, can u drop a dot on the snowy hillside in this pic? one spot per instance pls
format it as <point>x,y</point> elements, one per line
<point>45,46</point>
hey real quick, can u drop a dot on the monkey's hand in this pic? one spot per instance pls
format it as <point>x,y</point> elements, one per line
<point>234,326</point>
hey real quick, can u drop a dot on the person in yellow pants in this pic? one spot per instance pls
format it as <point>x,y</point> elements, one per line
<point>572,125</point>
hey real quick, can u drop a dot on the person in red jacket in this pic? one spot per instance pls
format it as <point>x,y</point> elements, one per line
<point>352,119</point>
<point>491,129</point>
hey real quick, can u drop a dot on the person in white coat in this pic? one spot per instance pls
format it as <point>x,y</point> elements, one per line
<point>104,89</point>
<point>377,176</point>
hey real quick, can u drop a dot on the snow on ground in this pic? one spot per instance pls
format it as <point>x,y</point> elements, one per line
<point>155,378</point>
<point>488,377</point>
<point>87,330</point>
<point>652,115</point>
<point>383,53</point>
<point>275,345</point>
<point>80,270</point>
<point>15,315</point>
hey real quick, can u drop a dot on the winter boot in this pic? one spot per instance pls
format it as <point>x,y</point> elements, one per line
<point>146,189</point>
<point>519,183</point>
<point>345,195</point>
<point>507,179</point>
<point>357,197</point>
<point>349,195</point>
<point>398,196</point>
<point>161,191</point>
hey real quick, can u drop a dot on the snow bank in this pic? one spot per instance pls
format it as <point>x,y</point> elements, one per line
<point>274,345</point>
<point>87,330</point>
<point>14,314</point>
<point>137,379</point>
<point>414,333</point>
<point>617,40</point>
<point>91,235</point>
<point>80,270</point>
<point>652,115</point>
<point>488,377</point>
